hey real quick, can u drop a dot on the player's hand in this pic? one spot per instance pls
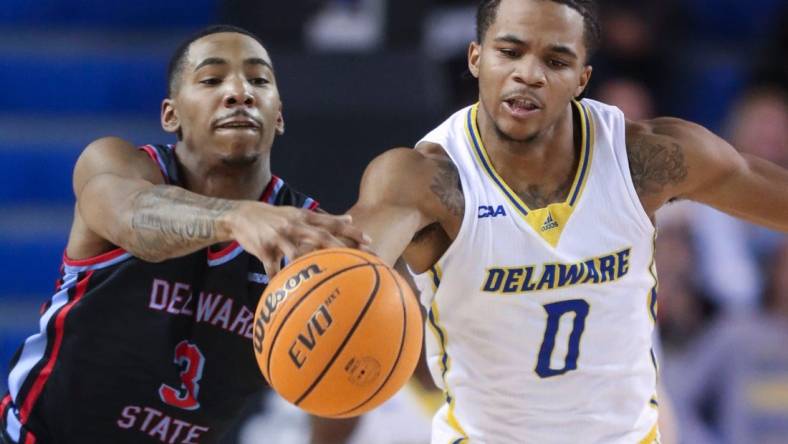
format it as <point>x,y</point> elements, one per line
<point>272,232</point>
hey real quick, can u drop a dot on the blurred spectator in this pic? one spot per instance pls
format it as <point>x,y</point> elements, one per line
<point>347,26</point>
<point>683,309</point>
<point>448,28</point>
<point>758,124</point>
<point>631,96</point>
<point>634,47</point>
<point>733,249</point>
<point>732,386</point>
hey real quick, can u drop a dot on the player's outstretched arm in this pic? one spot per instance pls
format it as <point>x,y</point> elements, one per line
<point>394,201</point>
<point>671,158</point>
<point>122,200</point>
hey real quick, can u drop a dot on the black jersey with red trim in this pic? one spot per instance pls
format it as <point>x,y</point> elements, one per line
<point>135,352</point>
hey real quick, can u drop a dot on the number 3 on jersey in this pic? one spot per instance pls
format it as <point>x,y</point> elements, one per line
<point>555,312</point>
<point>189,357</point>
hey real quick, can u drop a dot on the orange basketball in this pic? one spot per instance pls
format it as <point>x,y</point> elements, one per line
<point>337,332</point>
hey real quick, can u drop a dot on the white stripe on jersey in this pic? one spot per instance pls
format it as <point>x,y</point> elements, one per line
<point>35,346</point>
<point>74,269</point>
<point>13,426</point>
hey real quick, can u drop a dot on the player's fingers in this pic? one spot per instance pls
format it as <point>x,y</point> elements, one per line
<point>269,260</point>
<point>351,232</point>
<point>273,267</point>
<point>327,221</point>
<point>317,237</point>
<point>342,227</point>
<point>286,248</point>
<point>367,248</point>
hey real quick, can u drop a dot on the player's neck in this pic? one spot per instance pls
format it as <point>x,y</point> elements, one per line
<point>211,176</point>
<point>546,157</point>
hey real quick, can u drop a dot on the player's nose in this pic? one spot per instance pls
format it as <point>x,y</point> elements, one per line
<point>530,71</point>
<point>238,93</point>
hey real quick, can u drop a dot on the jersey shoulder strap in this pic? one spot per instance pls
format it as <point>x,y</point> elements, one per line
<point>289,197</point>
<point>164,157</point>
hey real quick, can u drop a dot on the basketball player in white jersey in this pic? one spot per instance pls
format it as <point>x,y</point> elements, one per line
<point>528,222</point>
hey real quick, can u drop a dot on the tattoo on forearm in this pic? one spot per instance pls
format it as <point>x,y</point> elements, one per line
<point>447,187</point>
<point>169,221</point>
<point>655,163</point>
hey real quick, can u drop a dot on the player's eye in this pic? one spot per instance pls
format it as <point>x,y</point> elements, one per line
<point>259,81</point>
<point>210,81</point>
<point>508,52</point>
<point>557,64</point>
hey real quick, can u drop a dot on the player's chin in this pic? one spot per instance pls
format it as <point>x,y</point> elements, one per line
<point>240,141</point>
<point>241,152</point>
<point>519,131</point>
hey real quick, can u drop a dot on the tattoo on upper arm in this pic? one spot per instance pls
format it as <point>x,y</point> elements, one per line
<point>447,187</point>
<point>169,221</point>
<point>655,163</point>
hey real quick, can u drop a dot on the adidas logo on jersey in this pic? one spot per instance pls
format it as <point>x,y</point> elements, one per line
<point>550,223</point>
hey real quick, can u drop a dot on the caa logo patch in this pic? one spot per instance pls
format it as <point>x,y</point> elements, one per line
<point>486,211</point>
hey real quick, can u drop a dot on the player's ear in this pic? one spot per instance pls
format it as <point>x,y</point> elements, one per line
<point>280,122</point>
<point>585,77</point>
<point>474,55</point>
<point>169,117</point>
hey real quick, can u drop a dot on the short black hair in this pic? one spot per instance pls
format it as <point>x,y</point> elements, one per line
<point>488,9</point>
<point>175,67</point>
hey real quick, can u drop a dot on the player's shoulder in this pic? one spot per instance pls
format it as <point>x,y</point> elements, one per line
<point>109,147</point>
<point>669,137</point>
<point>113,155</point>
<point>672,158</point>
<point>410,163</point>
<point>403,164</point>
<point>668,127</point>
<point>404,176</point>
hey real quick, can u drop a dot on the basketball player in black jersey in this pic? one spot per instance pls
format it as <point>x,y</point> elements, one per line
<point>148,336</point>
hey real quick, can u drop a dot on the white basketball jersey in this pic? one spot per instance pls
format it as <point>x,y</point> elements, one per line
<point>542,318</point>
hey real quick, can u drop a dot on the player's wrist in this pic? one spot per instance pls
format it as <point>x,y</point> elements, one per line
<point>229,223</point>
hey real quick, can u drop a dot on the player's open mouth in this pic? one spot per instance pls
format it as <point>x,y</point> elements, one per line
<point>521,106</point>
<point>239,124</point>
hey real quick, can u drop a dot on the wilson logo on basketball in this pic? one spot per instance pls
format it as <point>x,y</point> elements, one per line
<point>272,300</point>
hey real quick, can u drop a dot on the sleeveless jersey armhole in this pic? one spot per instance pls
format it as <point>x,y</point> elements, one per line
<point>622,158</point>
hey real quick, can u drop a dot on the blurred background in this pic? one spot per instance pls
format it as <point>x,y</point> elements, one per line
<point>360,76</point>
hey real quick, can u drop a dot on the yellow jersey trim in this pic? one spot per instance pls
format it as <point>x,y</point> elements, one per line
<point>652,305</point>
<point>652,437</point>
<point>445,362</point>
<point>547,222</point>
